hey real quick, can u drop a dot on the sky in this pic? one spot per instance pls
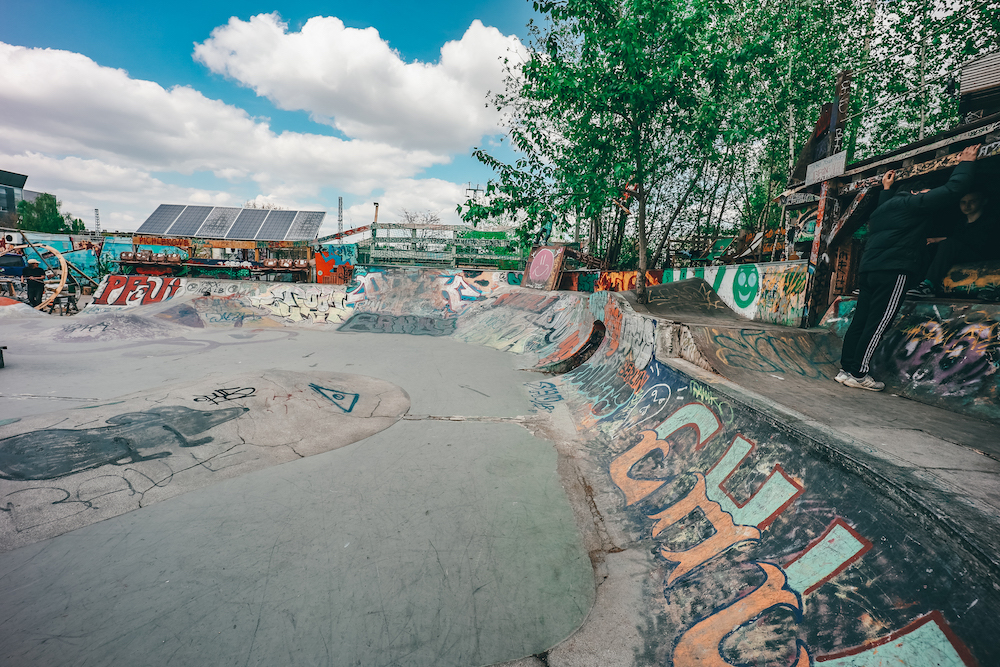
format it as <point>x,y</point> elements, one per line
<point>122,105</point>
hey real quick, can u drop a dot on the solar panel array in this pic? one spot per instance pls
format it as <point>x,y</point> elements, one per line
<point>226,222</point>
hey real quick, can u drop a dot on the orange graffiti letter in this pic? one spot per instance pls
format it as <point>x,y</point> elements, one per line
<point>726,533</point>
<point>700,645</point>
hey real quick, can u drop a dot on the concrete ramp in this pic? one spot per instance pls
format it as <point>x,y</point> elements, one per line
<point>777,540</point>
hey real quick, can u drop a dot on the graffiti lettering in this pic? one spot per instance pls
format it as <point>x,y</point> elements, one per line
<point>535,303</point>
<point>699,645</point>
<point>136,290</point>
<point>403,324</point>
<point>544,395</point>
<point>223,395</point>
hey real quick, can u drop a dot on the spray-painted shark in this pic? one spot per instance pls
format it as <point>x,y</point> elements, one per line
<point>54,453</point>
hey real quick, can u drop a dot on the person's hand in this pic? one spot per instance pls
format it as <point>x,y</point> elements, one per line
<point>888,178</point>
<point>969,154</point>
<point>936,239</point>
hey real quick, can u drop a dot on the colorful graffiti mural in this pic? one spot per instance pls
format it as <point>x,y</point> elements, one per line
<point>765,556</point>
<point>773,292</point>
<point>940,354</point>
<point>335,263</point>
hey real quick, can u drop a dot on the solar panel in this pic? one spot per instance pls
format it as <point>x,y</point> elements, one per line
<point>247,224</point>
<point>306,226</point>
<point>188,222</point>
<point>276,225</point>
<point>161,219</point>
<point>218,222</point>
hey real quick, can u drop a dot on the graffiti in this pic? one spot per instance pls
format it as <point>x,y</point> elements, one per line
<point>534,303</point>
<point>954,357</point>
<point>732,523</point>
<point>746,283</point>
<point>980,279</point>
<point>135,290</point>
<point>544,395</point>
<point>691,295</point>
<point>926,641</point>
<point>296,304</point>
<point>95,327</point>
<point>54,453</point>
<point>782,295</point>
<point>224,395</point>
<point>403,324</point>
<point>543,269</point>
<point>219,288</point>
<point>629,335</point>
<point>632,376</point>
<point>456,290</point>
<point>651,408</point>
<point>342,399</point>
<point>623,281</point>
<point>335,263</point>
<point>602,384</point>
<point>769,352</point>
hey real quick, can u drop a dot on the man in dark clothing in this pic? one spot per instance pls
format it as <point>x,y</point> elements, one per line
<point>974,239</point>
<point>35,277</point>
<point>896,240</point>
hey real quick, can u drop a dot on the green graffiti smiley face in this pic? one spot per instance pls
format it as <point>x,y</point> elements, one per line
<point>746,284</point>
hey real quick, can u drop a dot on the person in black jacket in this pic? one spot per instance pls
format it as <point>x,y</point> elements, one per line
<point>896,240</point>
<point>34,275</point>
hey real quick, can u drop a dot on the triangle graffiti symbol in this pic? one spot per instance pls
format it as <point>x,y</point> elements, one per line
<point>342,399</point>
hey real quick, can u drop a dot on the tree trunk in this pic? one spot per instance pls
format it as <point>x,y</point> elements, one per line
<point>677,211</point>
<point>640,283</point>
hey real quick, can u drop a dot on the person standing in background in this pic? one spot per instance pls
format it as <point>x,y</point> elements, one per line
<point>891,259</point>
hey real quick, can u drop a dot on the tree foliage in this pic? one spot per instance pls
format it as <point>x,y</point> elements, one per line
<point>42,215</point>
<point>638,121</point>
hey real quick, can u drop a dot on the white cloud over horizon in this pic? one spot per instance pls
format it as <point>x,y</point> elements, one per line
<point>98,138</point>
<point>353,80</point>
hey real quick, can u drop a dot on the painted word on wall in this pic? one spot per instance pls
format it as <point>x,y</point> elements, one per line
<point>136,290</point>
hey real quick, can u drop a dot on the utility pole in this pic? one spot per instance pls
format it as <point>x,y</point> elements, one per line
<point>97,221</point>
<point>340,219</point>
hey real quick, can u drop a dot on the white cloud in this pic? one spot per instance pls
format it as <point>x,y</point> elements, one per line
<point>61,103</point>
<point>352,79</point>
<point>98,138</point>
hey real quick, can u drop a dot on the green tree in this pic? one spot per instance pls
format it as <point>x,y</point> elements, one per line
<point>42,215</point>
<point>614,98</point>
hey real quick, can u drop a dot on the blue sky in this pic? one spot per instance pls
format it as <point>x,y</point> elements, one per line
<point>223,102</point>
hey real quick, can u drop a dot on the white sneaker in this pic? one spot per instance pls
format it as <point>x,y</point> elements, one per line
<point>841,376</point>
<point>867,382</point>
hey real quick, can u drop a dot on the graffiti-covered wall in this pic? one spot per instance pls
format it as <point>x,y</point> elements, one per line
<point>774,292</point>
<point>436,294</point>
<point>766,551</point>
<point>937,353</point>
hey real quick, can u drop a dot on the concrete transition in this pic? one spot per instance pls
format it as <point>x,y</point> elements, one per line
<point>707,495</point>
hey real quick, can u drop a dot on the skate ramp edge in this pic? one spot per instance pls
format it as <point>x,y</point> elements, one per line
<point>776,540</point>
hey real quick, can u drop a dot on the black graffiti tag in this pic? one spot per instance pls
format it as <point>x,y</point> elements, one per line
<point>223,395</point>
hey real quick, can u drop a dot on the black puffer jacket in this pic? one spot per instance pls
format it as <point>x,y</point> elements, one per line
<point>897,229</point>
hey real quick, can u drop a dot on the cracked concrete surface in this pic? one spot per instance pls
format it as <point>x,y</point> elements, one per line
<point>452,537</point>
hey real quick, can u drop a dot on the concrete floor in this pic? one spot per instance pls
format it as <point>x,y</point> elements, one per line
<point>445,539</point>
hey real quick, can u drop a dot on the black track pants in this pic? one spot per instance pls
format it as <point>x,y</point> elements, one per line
<point>879,298</point>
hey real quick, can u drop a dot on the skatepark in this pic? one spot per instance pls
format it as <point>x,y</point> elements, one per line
<point>436,467</point>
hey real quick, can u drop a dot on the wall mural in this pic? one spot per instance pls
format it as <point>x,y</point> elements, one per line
<point>773,292</point>
<point>937,353</point>
<point>765,552</point>
<point>544,265</point>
